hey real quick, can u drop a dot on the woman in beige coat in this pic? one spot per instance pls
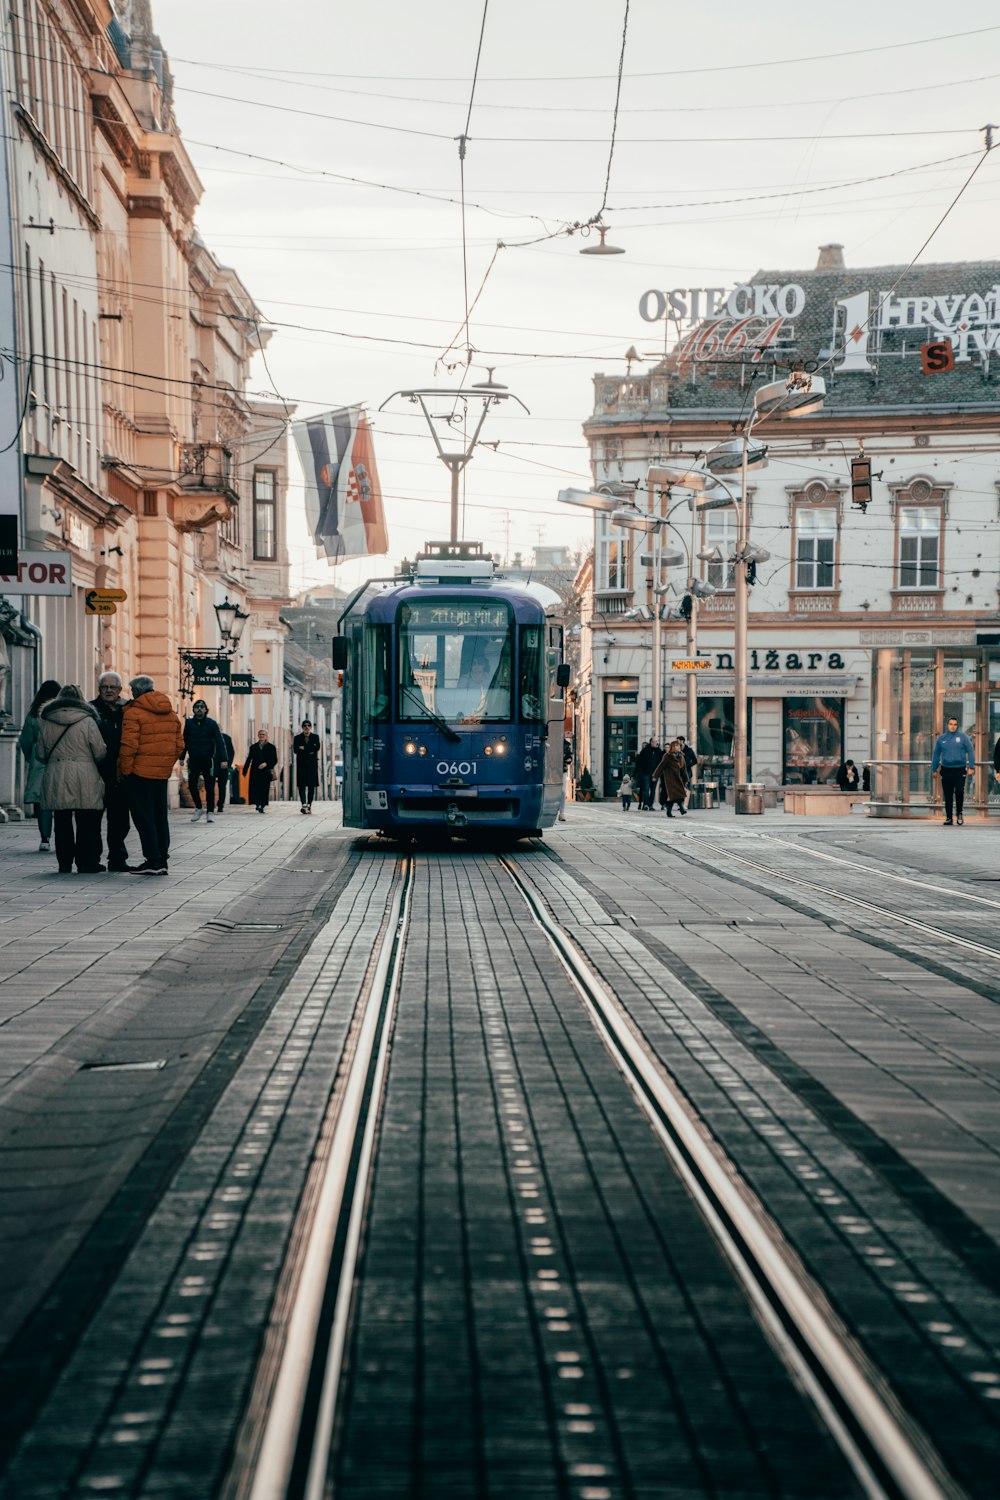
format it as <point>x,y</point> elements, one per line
<point>70,746</point>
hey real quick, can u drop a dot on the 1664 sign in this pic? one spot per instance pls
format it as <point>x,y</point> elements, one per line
<point>746,320</point>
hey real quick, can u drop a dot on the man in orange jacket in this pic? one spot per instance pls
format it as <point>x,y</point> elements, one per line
<point>152,743</point>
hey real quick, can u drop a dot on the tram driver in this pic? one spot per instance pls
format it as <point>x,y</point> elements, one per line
<point>479,697</point>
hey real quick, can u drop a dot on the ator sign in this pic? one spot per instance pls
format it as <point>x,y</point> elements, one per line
<point>39,573</point>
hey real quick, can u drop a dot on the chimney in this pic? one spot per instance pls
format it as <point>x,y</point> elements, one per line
<point>831,258</point>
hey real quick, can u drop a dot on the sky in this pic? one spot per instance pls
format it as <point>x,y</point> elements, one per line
<point>327,138</point>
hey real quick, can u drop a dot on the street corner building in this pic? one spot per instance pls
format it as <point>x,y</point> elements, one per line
<point>874,607</point>
<point>145,490</point>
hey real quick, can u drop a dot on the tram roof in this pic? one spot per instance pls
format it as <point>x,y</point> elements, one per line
<point>388,595</point>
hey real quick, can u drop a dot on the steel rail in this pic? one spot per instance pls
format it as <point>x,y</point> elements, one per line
<point>890,1457</point>
<point>865,906</point>
<point>287,1445</point>
<point>853,864</point>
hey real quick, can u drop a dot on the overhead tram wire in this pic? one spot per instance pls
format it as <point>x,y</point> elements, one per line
<point>778,62</point>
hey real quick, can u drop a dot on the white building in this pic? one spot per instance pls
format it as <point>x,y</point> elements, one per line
<point>916,573</point>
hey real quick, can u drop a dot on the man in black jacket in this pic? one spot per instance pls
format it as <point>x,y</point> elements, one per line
<point>110,711</point>
<point>206,756</point>
<point>646,761</point>
<point>220,805</point>
<point>306,747</point>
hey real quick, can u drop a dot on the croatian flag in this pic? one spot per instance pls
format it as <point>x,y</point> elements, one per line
<point>343,494</point>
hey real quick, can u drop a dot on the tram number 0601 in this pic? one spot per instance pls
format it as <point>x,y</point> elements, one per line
<point>457,768</point>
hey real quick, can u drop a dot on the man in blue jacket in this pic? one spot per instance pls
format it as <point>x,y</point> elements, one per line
<point>206,756</point>
<point>954,759</point>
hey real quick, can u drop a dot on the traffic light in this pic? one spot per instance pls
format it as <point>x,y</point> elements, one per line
<point>861,481</point>
<point>340,679</point>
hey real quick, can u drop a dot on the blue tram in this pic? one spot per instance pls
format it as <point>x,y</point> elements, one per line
<point>454,687</point>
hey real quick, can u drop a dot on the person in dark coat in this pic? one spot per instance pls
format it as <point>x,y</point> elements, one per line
<point>110,713</point>
<point>206,757</point>
<point>673,777</point>
<point>646,762</point>
<point>71,747</point>
<point>260,763</point>
<point>306,747</point>
<point>27,740</point>
<point>224,780</point>
<point>848,778</point>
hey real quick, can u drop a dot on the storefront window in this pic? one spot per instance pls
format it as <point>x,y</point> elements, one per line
<point>715,738</point>
<point>814,740</point>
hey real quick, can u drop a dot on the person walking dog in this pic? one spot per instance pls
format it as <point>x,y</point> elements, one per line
<point>260,763</point>
<point>152,743</point>
<point>71,747</point>
<point>206,756</point>
<point>27,741</point>
<point>953,760</point>
<point>306,747</point>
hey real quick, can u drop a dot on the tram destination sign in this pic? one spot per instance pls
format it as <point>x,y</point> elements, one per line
<point>456,615</point>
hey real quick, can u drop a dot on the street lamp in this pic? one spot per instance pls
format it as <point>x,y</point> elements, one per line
<point>798,396</point>
<point>231,620</point>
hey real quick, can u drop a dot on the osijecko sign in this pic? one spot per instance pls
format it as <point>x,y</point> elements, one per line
<point>745,322</point>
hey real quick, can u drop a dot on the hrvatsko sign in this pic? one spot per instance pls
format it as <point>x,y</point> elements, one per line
<point>746,322</point>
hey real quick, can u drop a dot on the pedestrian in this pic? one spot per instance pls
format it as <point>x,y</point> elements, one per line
<point>306,747</point>
<point>645,764</point>
<point>152,743</point>
<point>110,712</point>
<point>672,774</point>
<point>953,760</point>
<point>223,783</point>
<point>71,747</point>
<point>690,761</point>
<point>260,762</point>
<point>27,740</point>
<point>625,791</point>
<point>206,757</point>
<point>847,777</point>
<point>866,779</point>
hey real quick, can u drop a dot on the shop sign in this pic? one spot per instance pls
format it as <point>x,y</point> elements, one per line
<point>625,697</point>
<point>241,682</point>
<point>210,672</point>
<point>705,665</point>
<point>263,691</point>
<point>775,660</point>
<point>39,573</point>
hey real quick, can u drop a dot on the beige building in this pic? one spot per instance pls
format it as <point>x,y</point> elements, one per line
<point>144,460</point>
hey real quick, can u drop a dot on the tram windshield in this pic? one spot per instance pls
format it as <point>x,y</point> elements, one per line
<point>455,660</point>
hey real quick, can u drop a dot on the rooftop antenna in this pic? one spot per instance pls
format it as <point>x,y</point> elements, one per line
<point>490,394</point>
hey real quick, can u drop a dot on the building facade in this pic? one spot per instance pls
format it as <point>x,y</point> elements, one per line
<point>147,471</point>
<point>913,573</point>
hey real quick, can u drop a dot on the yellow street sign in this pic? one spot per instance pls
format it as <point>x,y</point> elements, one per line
<point>704,665</point>
<point>109,596</point>
<point>95,605</point>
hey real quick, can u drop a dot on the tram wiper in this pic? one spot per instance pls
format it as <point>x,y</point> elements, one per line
<point>429,713</point>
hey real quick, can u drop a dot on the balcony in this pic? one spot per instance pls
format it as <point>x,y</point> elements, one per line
<point>208,484</point>
<point>612,601</point>
<point>630,394</point>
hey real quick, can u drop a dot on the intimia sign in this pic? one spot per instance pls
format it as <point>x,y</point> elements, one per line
<point>745,322</point>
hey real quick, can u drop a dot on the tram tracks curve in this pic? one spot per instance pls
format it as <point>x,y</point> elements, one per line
<point>891,1457</point>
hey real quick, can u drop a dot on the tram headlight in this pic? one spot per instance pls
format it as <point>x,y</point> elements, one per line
<point>500,748</point>
<point>410,748</point>
<point>421,749</point>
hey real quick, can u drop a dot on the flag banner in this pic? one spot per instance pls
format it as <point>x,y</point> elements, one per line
<point>343,494</point>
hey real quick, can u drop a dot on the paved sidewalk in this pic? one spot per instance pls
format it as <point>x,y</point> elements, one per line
<point>117,993</point>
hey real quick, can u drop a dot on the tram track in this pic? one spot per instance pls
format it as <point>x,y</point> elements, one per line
<point>890,1457</point>
<point>729,857</point>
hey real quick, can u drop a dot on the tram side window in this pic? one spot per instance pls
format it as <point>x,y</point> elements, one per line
<point>378,677</point>
<point>531,694</point>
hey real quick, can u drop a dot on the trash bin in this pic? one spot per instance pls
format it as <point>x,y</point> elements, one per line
<point>709,794</point>
<point>750,798</point>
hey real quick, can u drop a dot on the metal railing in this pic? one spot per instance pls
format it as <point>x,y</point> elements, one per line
<point>907,788</point>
